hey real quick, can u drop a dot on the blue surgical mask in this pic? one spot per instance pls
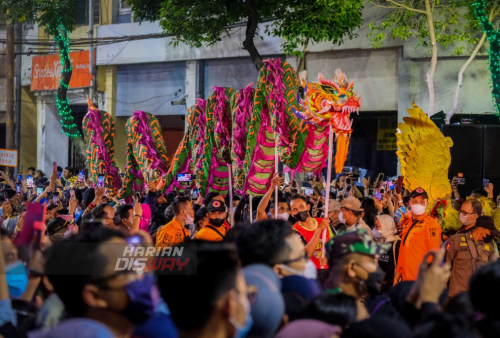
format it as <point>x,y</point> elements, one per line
<point>141,304</point>
<point>243,330</point>
<point>17,278</point>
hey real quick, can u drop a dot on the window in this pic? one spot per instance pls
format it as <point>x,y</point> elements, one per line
<point>125,14</point>
<point>82,10</point>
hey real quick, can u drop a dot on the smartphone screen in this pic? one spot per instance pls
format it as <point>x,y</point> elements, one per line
<point>309,176</point>
<point>81,176</point>
<point>196,193</point>
<point>39,191</point>
<point>184,178</point>
<point>486,183</point>
<point>55,198</point>
<point>19,178</point>
<point>29,181</point>
<point>100,181</point>
<point>18,189</point>
<point>378,195</point>
<point>308,192</point>
<point>59,175</point>
<point>135,240</point>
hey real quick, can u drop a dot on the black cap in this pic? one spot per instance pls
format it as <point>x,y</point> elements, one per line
<point>419,192</point>
<point>216,205</point>
<point>55,225</point>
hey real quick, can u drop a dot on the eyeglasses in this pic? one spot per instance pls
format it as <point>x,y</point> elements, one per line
<point>305,257</point>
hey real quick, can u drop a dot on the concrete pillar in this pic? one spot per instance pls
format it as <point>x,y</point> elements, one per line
<point>191,78</point>
<point>52,142</point>
<point>106,83</point>
<point>406,86</point>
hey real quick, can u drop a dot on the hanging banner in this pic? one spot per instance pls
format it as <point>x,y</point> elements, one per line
<point>46,71</point>
<point>8,158</point>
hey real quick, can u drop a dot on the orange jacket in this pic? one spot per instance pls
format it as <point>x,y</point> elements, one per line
<point>208,234</point>
<point>424,236</point>
<point>171,234</point>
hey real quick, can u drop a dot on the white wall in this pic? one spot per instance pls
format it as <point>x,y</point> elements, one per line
<point>374,73</point>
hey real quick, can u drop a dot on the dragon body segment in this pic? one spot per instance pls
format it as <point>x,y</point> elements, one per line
<point>217,145</point>
<point>146,152</point>
<point>424,154</point>
<point>99,135</point>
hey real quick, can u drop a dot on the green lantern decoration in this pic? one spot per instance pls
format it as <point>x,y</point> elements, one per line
<point>494,50</point>
<point>67,120</point>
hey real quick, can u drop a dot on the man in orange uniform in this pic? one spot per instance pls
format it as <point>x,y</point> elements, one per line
<point>175,232</point>
<point>214,230</point>
<point>420,233</point>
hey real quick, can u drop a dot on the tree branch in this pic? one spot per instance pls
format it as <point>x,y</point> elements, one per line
<point>248,44</point>
<point>406,7</point>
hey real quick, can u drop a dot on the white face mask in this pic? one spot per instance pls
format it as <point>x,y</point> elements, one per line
<point>377,234</point>
<point>284,216</point>
<point>418,209</point>
<point>341,218</point>
<point>309,272</point>
<point>188,219</point>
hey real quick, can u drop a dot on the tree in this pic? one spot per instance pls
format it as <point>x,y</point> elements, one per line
<point>58,17</point>
<point>432,22</point>
<point>493,35</point>
<point>203,23</point>
<point>494,11</point>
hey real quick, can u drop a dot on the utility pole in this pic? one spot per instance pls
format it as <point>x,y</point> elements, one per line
<point>19,60</point>
<point>91,48</point>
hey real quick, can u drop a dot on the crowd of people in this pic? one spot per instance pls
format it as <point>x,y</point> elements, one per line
<point>372,262</point>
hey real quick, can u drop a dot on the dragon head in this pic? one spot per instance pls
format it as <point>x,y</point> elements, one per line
<point>330,100</point>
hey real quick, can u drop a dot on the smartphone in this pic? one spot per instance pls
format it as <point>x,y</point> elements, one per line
<point>399,185</point>
<point>55,198</point>
<point>100,181</point>
<point>309,176</point>
<point>460,179</point>
<point>184,178</point>
<point>81,176</point>
<point>486,183</point>
<point>29,181</point>
<point>378,195</point>
<point>390,185</point>
<point>347,190</point>
<point>39,191</point>
<point>19,178</point>
<point>323,193</point>
<point>135,240</point>
<point>196,193</point>
<point>34,222</point>
<point>308,192</point>
<point>59,174</point>
<point>18,189</point>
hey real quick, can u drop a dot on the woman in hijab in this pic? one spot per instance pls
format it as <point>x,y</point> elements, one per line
<point>385,232</point>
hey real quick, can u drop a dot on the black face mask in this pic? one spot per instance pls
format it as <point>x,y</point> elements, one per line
<point>216,222</point>
<point>374,281</point>
<point>302,216</point>
<point>292,219</point>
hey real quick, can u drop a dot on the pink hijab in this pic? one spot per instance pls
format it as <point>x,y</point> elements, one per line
<point>146,217</point>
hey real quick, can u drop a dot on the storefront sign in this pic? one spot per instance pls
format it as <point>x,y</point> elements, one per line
<point>46,71</point>
<point>386,133</point>
<point>8,158</point>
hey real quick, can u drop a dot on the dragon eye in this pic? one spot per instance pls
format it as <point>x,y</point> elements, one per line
<point>335,92</point>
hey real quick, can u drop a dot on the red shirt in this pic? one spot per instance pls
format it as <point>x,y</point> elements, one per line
<point>307,236</point>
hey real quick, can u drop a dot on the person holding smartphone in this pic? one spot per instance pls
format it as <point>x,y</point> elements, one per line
<point>10,217</point>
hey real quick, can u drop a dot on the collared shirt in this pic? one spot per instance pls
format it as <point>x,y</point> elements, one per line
<point>360,224</point>
<point>171,234</point>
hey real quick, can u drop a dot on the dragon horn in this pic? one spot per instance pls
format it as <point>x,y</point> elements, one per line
<point>90,104</point>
